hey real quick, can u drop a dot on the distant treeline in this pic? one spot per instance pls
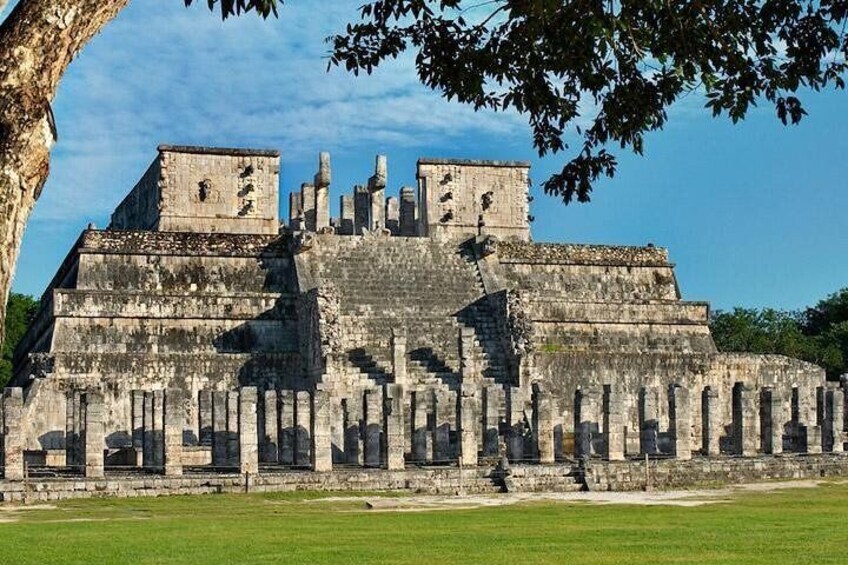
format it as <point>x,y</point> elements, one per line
<point>818,334</point>
<point>19,314</point>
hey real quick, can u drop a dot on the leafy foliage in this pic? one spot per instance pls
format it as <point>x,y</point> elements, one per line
<point>227,8</point>
<point>818,334</point>
<point>19,313</point>
<point>605,72</point>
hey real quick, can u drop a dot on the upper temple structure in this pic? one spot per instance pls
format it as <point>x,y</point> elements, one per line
<point>200,334</point>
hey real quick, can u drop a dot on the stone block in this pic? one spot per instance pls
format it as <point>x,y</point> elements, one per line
<point>711,425</point>
<point>745,416</point>
<point>469,409</point>
<point>614,423</point>
<point>393,424</point>
<point>94,435</point>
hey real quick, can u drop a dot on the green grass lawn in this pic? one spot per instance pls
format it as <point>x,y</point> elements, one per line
<point>789,526</point>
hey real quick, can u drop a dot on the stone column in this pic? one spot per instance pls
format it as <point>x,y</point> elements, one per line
<point>373,432</point>
<point>407,212</point>
<point>13,441</point>
<point>399,356</point>
<point>353,411</point>
<point>680,418</point>
<point>295,210</point>
<point>393,424</point>
<point>322,445</point>
<point>204,417</point>
<point>158,435</point>
<point>173,432</point>
<point>517,424</point>
<point>303,424</point>
<point>322,192</point>
<point>248,438</point>
<point>377,190</point>
<point>309,211</point>
<point>469,370</point>
<point>811,438</point>
<point>270,441</point>
<point>287,433</point>
<point>771,420</point>
<point>361,209</point>
<point>393,215</point>
<point>614,423</point>
<point>744,416</point>
<point>422,445</point>
<point>73,429</point>
<point>710,423</point>
<point>137,399</point>
<point>836,417</point>
<point>94,434</point>
<point>469,422</point>
<point>492,402</point>
<point>649,420</point>
<point>346,215</point>
<point>233,398</point>
<point>219,428</point>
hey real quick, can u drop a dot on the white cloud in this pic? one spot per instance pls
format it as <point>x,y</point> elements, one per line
<point>163,73</point>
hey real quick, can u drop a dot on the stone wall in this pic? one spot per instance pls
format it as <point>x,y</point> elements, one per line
<point>465,198</point>
<point>205,190</point>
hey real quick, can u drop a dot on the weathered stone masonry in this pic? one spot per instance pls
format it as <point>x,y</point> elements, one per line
<point>198,335</point>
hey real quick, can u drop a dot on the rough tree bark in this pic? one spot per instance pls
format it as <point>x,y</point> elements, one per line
<point>38,40</point>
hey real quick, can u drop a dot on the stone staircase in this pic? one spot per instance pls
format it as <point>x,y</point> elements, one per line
<point>428,290</point>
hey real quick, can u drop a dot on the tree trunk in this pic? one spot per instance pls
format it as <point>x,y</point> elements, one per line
<point>38,40</point>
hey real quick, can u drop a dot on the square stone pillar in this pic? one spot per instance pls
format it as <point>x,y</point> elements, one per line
<point>309,211</point>
<point>346,215</point>
<point>422,442</point>
<point>296,210</point>
<point>303,425</point>
<point>772,416</point>
<point>710,423</point>
<point>287,434</point>
<point>468,366</point>
<point>469,423</point>
<point>373,427</point>
<point>233,398</point>
<point>393,215</point>
<point>322,445</point>
<point>834,440</point>
<point>137,406</point>
<point>361,209</point>
<point>393,424</point>
<point>94,435</point>
<point>13,441</point>
<point>353,413</point>
<point>247,434</point>
<point>745,414</point>
<point>74,415</point>
<point>543,425</point>
<point>271,429</point>
<point>399,356</point>
<point>204,417</point>
<point>174,432</point>
<point>811,439</point>
<point>517,424</point>
<point>649,420</point>
<point>492,402</point>
<point>614,423</point>
<point>680,419</point>
<point>158,427</point>
<point>408,226</point>
<point>219,429</point>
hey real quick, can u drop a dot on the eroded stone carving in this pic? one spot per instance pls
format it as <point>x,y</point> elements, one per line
<point>319,317</point>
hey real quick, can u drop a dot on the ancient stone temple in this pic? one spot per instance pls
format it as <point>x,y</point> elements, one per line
<point>198,334</point>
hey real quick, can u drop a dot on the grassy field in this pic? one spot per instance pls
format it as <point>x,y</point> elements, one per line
<point>788,526</point>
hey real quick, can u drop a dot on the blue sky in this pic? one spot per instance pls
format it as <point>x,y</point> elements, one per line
<point>753,214</point>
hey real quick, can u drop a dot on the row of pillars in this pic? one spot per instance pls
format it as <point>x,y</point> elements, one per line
<point>761,421</point>
<point>366,209</point>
